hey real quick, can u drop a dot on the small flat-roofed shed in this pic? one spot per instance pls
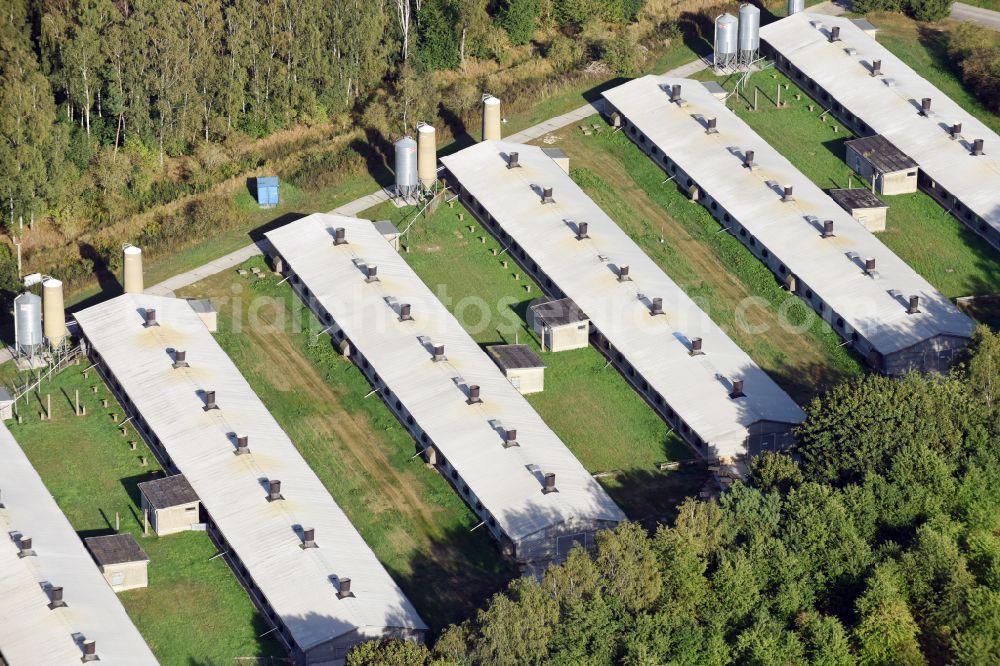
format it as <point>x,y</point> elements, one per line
<point>521,366</point>
<point>53,600</point>
<point>959,156</point>
<point>465,416</point>
<point>683,364</point>
<point>171,504</point>
<point>560,324</point>
<point>291,545</point>
<point>882,163</point>
<point>863,206</point>
<point>121,559</point>
<point>886,310</point>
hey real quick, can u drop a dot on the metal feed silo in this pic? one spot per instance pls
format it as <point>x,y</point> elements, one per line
<point>491,118</point>
<point>426,156</point>
<point>726,40</point>
<point>27,324</point>
<point>749,34</point>
<point>406,167</point>
<point>796,6</point>
<point>54,321</point>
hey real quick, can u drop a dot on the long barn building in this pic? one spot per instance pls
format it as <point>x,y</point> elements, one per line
<point>699,381</point>
<point>297,554</point>
<point>875,93</point>
<point>889,313</point>
<point>55,606</point>
<point>518,477</point>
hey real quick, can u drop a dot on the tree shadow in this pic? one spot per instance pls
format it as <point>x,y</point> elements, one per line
<point>651,497</point>
<point>107,281</point>
<point>697,31</point>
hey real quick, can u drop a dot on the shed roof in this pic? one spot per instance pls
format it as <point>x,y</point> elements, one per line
<point>696,387</point>
<point>555,153</point>
<point>115,549</point>
<point>30,633</point>
<point>514,357</point>
<point>857,197</point>
<point>386,227</point>
<point>298,584</point>
<point>833,268</point>
<point>168,492</point>
<point>508,482</point>
<point>558,312</point>
<point>893,111</point>
<point>881,154</point>
<point>201,305</point>
<point>267,181</point>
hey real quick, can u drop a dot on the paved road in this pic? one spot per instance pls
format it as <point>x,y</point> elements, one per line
<point>233,259</point>
<point>984,17</point>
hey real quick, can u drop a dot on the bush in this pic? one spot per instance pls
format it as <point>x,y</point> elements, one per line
<point>520,18</point>
<point>929,10</point>
<point>565,53</point>
<point>622,55</point>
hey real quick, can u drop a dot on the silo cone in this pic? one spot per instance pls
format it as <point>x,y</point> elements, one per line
<point>132,270</point>
<point>491,118</point>
<point>53,312</point>
<point>426,156</point>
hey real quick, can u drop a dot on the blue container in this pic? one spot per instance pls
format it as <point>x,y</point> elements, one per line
<point>267,191</point>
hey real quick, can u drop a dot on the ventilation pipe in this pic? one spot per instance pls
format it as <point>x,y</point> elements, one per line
<point>550,483</point>
<point>132,269</point>
<point>925,106</point>
<point>748,160</point>
<point>675,92</point>
<point>510,438</point>
<point>835,34</point>
<point>656,307</point>
<point>56,598</point>
<point>24,547</point>
<point>491,118</point>
<point>914,305</point>
<point>513,161</point>
<point>547,195</point>
<point>955,131</point>
<point>977,147</point>
<point>869,266</point>
<point>737,391</point>
<point>713,126</point>
<point>581,231</point>
<point>438,354</point>
<point>876,67</point>
<point>371,273</point>
<point>90,651</point>
<point>309,538</point>
<point>180,359</point>
<point>274,490</point>
<point>150,318</point>
<point>787,196</point>
<point>828,229</point>
<point>404,312</point>
<point>340,236</point>
<point>210,401</point>
<point>696,347</point>
<point>474,398</point>
<point>426,156</point>
<point>54,312</point>
<point>242,445</point>
<point>345,589</point>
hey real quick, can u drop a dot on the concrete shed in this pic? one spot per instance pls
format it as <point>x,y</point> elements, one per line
<point>389,231</point>
<point>863,206</point>
<point>521,366</point>
<point>206,312</point>
<point>560,324</point>
<point>121,559</point>
<point>171,503</point>
<point>882,163</point>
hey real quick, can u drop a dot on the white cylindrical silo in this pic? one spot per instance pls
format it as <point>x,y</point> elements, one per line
<point>491,118</point>
<point>426,156</point>
<point>54,312</point>
<point>406,166</point>
<point>132,270</point>
<point>27,323</point>
<point>726,39</point>
<point>796,6</point>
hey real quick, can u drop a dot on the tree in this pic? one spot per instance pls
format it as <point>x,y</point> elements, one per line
<point>886,633</point>
<point>774,472</point>
<point>517,627</point>
<point>929,10</point>
<point>520,18</point>
<point>438,47</point>
<point>388,651</point>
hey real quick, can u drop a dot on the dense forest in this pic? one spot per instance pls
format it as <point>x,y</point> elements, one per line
<point>101,98</point>
<point>878,543</point>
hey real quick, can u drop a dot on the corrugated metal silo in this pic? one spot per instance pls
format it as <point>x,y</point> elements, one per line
<point>796,6</point>
<point>749,33</point>
<point>406,167</point>
<point>726,39</point>
<point>491,118</point>
<point>54,321</point>
<point>27,323</point>
<point>426,155</point>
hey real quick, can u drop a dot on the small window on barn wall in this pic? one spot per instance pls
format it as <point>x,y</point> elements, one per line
<point>454,474</point>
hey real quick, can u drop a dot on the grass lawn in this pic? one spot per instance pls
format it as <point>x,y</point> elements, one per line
<point>942,249</point>
<point>602,420</point>
<point>406,512</point>
<point>737,291</point>
<point>194,610</point>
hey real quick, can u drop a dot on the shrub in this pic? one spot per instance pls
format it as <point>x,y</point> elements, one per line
<point>622,55</point>
<point>929,10</point>
<point>520,18</point>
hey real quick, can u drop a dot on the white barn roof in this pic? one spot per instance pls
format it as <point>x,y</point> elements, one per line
<point>300,584</point>
<point>832,267</point>
<point>30,633</point>
<point>696,387</point>
<point>893,111</point>
<point>508,482</point>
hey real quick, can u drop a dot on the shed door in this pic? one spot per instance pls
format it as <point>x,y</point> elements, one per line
<point>117,578</point>
<point>547,342</point>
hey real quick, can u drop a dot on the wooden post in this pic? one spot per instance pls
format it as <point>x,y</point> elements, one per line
<point>145,522</point>
<point>755,89</point>
<point>779,96</point>
<point>76,408</point>
<point>118,522</point>
<point>48,406</point>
